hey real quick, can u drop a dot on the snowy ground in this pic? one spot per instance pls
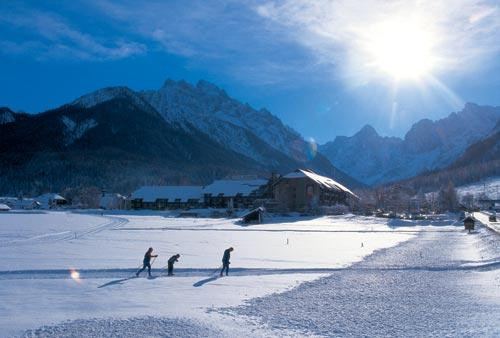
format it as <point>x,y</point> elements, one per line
<point>38,250</point>
<point>436,285</point>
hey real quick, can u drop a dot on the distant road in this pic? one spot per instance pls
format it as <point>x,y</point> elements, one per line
<point>483,217</point>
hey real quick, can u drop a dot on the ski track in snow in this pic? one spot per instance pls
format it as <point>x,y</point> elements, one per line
<point>111,223</point>
<point>487,265</point>
<point>423,287</point>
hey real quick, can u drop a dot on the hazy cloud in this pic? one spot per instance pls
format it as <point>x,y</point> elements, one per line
<point>51,36</point>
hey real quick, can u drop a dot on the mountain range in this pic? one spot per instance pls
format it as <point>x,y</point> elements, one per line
<point>480,160</point>
<point>427,146</point>
<point>118,139</point>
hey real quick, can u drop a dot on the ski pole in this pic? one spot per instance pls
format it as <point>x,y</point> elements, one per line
<point>217,270</point>
<point>138,268</point>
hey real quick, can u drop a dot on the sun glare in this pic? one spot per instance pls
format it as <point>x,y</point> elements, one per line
<point>400,49</point>
<point>75,275</point>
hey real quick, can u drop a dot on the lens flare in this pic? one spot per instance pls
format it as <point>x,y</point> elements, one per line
<point>312,148</point>
<point>75,275</point>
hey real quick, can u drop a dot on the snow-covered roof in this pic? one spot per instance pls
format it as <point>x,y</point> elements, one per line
<point>323,181</point>
<point>182,192</point>
<point>112,195</point>
<point>4,207</point>
<point>51,196</point>
<point>19,203</point>
<point>233,187</point>
<point>47,200</point>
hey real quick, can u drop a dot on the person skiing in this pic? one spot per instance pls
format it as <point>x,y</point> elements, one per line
<point>225,260</point>
<point>171,261</point>
<point>146,262</point>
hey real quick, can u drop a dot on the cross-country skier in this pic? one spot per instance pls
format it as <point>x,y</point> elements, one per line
<point>146,263</point>
<point>171,261</point>
<point>225,260</point>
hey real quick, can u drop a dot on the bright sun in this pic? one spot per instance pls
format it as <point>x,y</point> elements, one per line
<point>402,50</point>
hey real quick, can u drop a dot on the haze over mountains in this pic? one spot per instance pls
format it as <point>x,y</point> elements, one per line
<point>428,145</point>
<point>118,139</point>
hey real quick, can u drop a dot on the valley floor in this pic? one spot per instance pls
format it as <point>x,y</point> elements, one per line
<point>342,275</point>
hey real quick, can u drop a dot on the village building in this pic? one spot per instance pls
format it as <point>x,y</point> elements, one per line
<point>51,201</point>
<point>112,201</point>
<point>167,197</point>
<point>20,203</point>
<point>225,194</point>
<point>231,194</point>
<point>303,190</point>
<point>4,207</point>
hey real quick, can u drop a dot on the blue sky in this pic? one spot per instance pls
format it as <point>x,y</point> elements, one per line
<point>326,68</point>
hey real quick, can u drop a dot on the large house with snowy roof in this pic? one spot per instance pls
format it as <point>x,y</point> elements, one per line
<point>167,197</point>
<point>304,190</point>
<point>219,194</point>
<point>232,193</point>
<point>301,190</point>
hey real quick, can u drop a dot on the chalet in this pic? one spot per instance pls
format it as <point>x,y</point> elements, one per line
<point>166,197</point>
<point>50,201</point>
<point>232,193</point>
<point>304,190</point>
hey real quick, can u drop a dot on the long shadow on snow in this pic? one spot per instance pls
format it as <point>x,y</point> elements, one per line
<point>125,274</point>
<point>205,281</point>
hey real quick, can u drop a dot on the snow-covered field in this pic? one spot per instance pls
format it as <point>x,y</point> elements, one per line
<point>39,249</point>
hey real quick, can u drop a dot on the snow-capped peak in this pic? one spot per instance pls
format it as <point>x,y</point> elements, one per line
<point>209,89</point>
<point>6,116</point>
<point>107,94</point>
<point>228,121</point>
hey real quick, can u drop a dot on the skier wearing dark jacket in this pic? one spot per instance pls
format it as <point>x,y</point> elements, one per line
<point>171,261</point>
<point>225,261</point>
<point>146,262</point>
